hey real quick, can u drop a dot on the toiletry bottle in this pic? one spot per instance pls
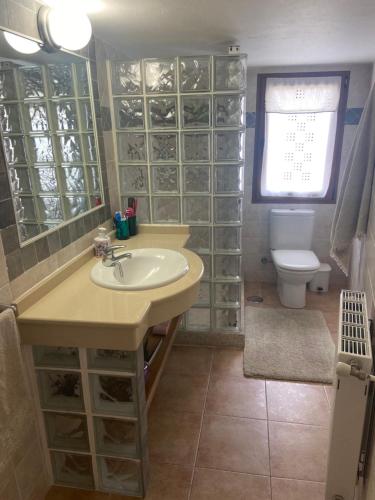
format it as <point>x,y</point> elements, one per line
<point>101,242</point>
<point>122,229</point>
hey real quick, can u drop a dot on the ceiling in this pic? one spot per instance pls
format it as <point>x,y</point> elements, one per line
<point>271,32</point>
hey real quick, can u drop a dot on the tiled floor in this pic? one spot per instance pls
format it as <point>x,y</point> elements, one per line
<point>216,435</point>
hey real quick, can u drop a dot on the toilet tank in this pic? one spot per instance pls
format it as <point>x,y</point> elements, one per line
<point>291,229</point>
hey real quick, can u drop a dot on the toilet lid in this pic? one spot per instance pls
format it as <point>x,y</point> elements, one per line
<point>296,260</point>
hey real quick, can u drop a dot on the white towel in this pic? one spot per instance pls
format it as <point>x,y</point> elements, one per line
<point>16,407</point>
<point>353,206</point>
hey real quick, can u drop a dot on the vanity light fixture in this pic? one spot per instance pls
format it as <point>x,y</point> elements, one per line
<point>64,27</point>
<point>21,44</point>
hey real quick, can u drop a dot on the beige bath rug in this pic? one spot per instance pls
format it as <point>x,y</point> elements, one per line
<point>288,344</point>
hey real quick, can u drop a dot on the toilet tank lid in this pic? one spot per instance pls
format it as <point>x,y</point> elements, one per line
<point>292,211</point>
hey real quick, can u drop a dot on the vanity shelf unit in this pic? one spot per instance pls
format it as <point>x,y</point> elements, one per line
<point>93,407</point>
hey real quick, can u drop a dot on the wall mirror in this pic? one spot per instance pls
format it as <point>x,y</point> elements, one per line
<point>48,132</point>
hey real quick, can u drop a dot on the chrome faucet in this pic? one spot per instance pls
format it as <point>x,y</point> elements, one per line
<point>109,257</point>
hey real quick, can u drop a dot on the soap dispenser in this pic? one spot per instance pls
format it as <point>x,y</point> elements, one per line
<point>101,242</point>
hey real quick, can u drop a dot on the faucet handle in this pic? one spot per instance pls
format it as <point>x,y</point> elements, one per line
<point>111,248</point>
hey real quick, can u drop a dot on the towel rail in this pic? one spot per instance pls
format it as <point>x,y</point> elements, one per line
<point>3,307</point>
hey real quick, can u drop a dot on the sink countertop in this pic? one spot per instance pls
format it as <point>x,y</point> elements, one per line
<point>68,309</point>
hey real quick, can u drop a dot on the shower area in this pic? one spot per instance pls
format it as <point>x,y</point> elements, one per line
<point>178,127</point>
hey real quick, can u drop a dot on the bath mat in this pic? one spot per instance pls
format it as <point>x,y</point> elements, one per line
<point>288,344</point>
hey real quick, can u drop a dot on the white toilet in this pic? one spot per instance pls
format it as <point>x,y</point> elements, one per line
<point>290,241</point>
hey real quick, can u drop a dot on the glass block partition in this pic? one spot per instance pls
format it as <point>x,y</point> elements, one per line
<point>180,140</point>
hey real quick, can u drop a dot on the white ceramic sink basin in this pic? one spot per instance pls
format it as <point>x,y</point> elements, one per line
<point>147,268</point>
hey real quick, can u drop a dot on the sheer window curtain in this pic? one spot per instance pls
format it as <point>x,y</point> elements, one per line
<point>300,130</point>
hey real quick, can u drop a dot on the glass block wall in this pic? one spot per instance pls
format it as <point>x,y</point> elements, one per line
<point>180,139</point>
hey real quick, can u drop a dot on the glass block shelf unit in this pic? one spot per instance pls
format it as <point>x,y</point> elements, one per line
<point>94,413</point>
<point>180,146</point>
<point>47,123</point>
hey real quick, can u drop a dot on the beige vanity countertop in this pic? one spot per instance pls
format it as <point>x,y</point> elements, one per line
<point>68,309</point>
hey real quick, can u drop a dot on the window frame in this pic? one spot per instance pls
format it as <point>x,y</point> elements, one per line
<point>331,195</point>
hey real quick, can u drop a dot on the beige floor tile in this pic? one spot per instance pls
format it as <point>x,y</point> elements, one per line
<point>234,444</point>
<point>228,362</point>
<point>298,403</point>
<point>178,392</point>
<point>169,482</point>
<point>173,438</point>
<point>187,360</point>
<point>236,397</point>
<point>209,484</point>
<point>298,451</point>
<point>291,489</point>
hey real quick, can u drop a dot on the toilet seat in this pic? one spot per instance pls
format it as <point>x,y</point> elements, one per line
<point>296,260</point>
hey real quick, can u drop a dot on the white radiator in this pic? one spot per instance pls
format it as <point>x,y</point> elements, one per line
<point>353,368</point>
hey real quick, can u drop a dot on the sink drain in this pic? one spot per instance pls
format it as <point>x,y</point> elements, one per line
<point>257,299</point>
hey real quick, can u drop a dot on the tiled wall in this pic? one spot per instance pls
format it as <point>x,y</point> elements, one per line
<point>255,241</point>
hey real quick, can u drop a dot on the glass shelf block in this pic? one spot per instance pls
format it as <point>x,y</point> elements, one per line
<point>229,110</point>
<point>113,395</point>
<point>70,148</point>
<point>32,84</point>
<point>61,80</point>
<point>86,115</point>
<point>229,145</point>
<point>60,390</point>
<point>21,178</point>
<point>200,239</point>
<point>75,205</point>
<point>227,239</point>
<point>228,210</point>
<point>132,147</point>
<point>230,72</point>
<point>89,146</point>
<point>195,74</point>
<point>228,319</point>
<point>166,209</point>
<point>56,356</point>
<point>196,111</point>
<point>204,295</point>
<point>134,179</point>
<point>143,208</point>
<point>7,85</point>
<point>123,476</point>
<point>27,208</point>
<point>126,78</point>
<point>94,179</point>
<point>198,319</point>
<point>14,149</point>
<point>73,179</point>
<point>196,178</point>
<point>116,437</point>
<point>82,80</point>
<point>162,112</point>
<point>72,469</point>
<point>227,294</point>
<point>45,179</point>
<point>228,179</point>
<point>9,118</point>
<point>206,259</point>
<point>196,146</point>
<point>109,359</point>
<point>227,266</point>
<point>28,231</point>
<point>41,149</point>
<point>129,112</point>
<point>160,75</point>
<point>36,116</point>
<point>164,147</point>
<point>49,208</point>
<point>197,209</point>
<point>66,115</point>
<point>165,178</point>
<point>66,431</point>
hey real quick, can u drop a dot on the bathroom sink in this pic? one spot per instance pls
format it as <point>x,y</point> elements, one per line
<point>147,268</point>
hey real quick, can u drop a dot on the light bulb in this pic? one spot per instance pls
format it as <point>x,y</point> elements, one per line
<point>69,28</point>
<point>21,44</point>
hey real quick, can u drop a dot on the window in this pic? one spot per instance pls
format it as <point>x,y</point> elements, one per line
<point>298,138</point>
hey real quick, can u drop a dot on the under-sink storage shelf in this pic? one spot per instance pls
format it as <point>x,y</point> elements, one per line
<point>60,390</point>
<point>66,431</point>
<point>72,469</point>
